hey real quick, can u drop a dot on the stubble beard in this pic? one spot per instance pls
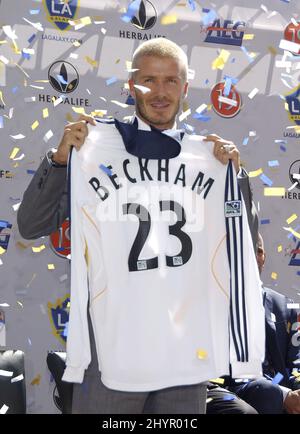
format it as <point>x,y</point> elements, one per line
<point>156,121</point>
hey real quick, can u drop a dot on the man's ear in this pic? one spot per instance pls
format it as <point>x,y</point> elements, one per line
<point>131,87</point>
<point>185,89</point>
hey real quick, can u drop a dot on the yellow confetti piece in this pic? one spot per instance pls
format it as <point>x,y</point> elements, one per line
<point>272,50</point>
<point>274,191</point>
<point>36,380</point>
<point>38,249</point>
<point>1,98</point>
<point>208,400</point>
<point>14,153</point>
<point>2,250</point>
<point>255,173</point>
<point>98,113</point>
<point>45,113</point>
<point>68,305</point>
<point>291,219</point>
<point>279,248</point>
<point>92,62</point>
<point>3,41</point>
<point>34,125</point>
<point>168,19</point>
<point>51,267</point>
<point>79,110</point>
<point>69,117</point>
<point>76,44</point>
<point>218,380</point>
<point>248,36</point>
<point>274,275</point>
<point>118,60</point>
<point>221,60</point>
<point>201,354</point>
<point>296,373</point>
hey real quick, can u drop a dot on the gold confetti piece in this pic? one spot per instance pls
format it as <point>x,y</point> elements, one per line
<point>38,249</point>
<point>255,173</point>
<point>272,50</point>
<point>248,36</point>
<point>2,250</point>
<point>45,113</point>
<point>99,113</point>
<point>279,248</point>
<point>201,354</point>
<point>297,235</point>
<point>79,110</point>
<point>274,275</point>
<point>36,380</point>
<point>92,62</point>
<point>14,153</point>
<point>274,191</point>
<point>51,267</point>
<point>168,19</point>
<point>217,380</point>
<point>34,125</point>
<point>117,61</point>
<point>221,60</point>
<point>69,117</point>
<point>291,219</point>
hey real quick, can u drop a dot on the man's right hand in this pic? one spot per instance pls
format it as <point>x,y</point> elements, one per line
<point>74,135</point>
<point>292,402</point>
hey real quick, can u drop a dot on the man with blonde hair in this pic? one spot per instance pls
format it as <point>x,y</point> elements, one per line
<point>143,310</point>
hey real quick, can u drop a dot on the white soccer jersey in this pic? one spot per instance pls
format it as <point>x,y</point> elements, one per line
<point>163,252</point>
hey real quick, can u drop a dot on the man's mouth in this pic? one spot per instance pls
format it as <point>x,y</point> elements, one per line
<point>160,105</point>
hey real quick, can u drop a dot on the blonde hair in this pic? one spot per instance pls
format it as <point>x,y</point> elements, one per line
<point>161,47</point>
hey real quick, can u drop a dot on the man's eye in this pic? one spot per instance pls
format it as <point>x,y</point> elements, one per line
<point>148,80</point>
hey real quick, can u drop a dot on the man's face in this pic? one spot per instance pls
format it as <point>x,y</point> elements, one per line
<point>163,76</point>
<point>260,254</point>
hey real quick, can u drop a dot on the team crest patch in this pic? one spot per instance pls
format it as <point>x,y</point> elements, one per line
<point>60,12</point>
<point>59,317</point>
<point>233,208</point>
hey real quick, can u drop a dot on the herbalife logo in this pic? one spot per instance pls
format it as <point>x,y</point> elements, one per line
<point>63,77</point>
<point>294,174</point>
<point>145,17</point>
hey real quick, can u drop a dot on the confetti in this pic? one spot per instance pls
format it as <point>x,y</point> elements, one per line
<point>111,80</point>
<point>218,380</point>
<point>14,153</point>
<point>292,218</point>
<point>51,267</point>
<point>221,60</point>
<point>30,171</point>
<point>4,305</point>
<point>73,55</point>
<point>265,221</point>
<point>266,180</point>
<point>209,17</point>
<point>274,191</point>
<point>45,113</point>
<point>293,305</point>
<point>201,354</point>
<point>296,234</point>
<point>4,409</point>
<point>1,122</point>
<point>143,89</point>
<point>248,36</point>
<point>36,380</point>
<point>274,275</point>
<point>105,169</point>
<point>38,249</point>
<point>201,108</point>
<point>255,173</point>
<point>57,101</point>
<point>35,125</point>
<point>273,163</point>
<point>168,19</point>
<point>63,278</point>
<point>245,141</point>
<point>228,101</point>
<point>30,99</point>
<point>4,373</point>
<point>17,379</point>
<point>18,137</point>
<point>92,62</point>
<point>289,46</point>
<point>184,115</point>
<point>278,377</point>
<point>253,92</point>
<point>121,104</point>
<point>4,60</point>
<point>48,136</point>
<point>279,248</point>
<point>131,11</point>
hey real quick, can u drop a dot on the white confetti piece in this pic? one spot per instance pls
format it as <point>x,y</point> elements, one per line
<point>293,305</point>
<point>143,89</point>
<point>48,136</point>
<point>4,373</point>
<point>4,60</point>
<point>10,33</point>
<point>4,409</point>
<point>37,26</point>
<point>18,378</point>
<point>253,92</point>
<point>228,101</point>
<point>30,99</point>
<point>184,115</point>
<point>121,104</point>
<point>4,305</point>
<point>58,101</point>
<point>201,108</point>
<point>16,206</point>
<point>63,278</point>
<point>18,137</point>
<point>289,46</point>
<point>74,56</point>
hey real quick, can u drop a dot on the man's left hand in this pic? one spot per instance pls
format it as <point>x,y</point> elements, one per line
<point>224,150</point>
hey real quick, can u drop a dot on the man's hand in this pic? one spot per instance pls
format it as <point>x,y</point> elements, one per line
<point>225,150</point>
<point>74,135</point>
<point>292,402</point>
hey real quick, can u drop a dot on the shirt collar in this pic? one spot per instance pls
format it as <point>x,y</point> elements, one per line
<point>171,132</point>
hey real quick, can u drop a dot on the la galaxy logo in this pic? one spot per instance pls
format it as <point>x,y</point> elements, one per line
<point>294,105</point>
<point>59,317</point>
<point>228,33</point>
<point>61,11</point>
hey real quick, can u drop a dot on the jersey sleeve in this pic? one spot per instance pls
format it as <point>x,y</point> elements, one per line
<point>78,342</point>
<point>247,317</point>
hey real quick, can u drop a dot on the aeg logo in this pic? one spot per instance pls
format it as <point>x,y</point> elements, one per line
<point>231,33</point>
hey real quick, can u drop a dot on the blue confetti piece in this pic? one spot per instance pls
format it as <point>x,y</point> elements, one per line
<point>205,10</point>
<point>25,55</point>
<point>245,141</point>
<point>290,235</point>
<point>61,79</point>
<point>192,5</point>
<point>228,397</point>
<point>111,80</point>
<point>232,60</point>
<point>298,273</point>
<point>266,180</point>
<point>265,221</point>
<point>278,377</point>
<point>201,117</point>
<point>244,49</point>
<point>3,224</point>
<point>228,83</point>
<point>209,16</point>
<point>29,341</point>
<point>273,163</point>
<point>206,81</point>
<point>31,38</point>
<point>283,148</point>
<point>34,11</point>
<point>131,11</point>
<point>234,80</point>
<point>189,128</point>
<point>105,169</point>
<point>15,89</point>
<point>30,172</point>
<point>1,121</point>
<point>66,329</point>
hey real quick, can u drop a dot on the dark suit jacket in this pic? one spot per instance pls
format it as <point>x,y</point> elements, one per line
<point>282,345</point>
